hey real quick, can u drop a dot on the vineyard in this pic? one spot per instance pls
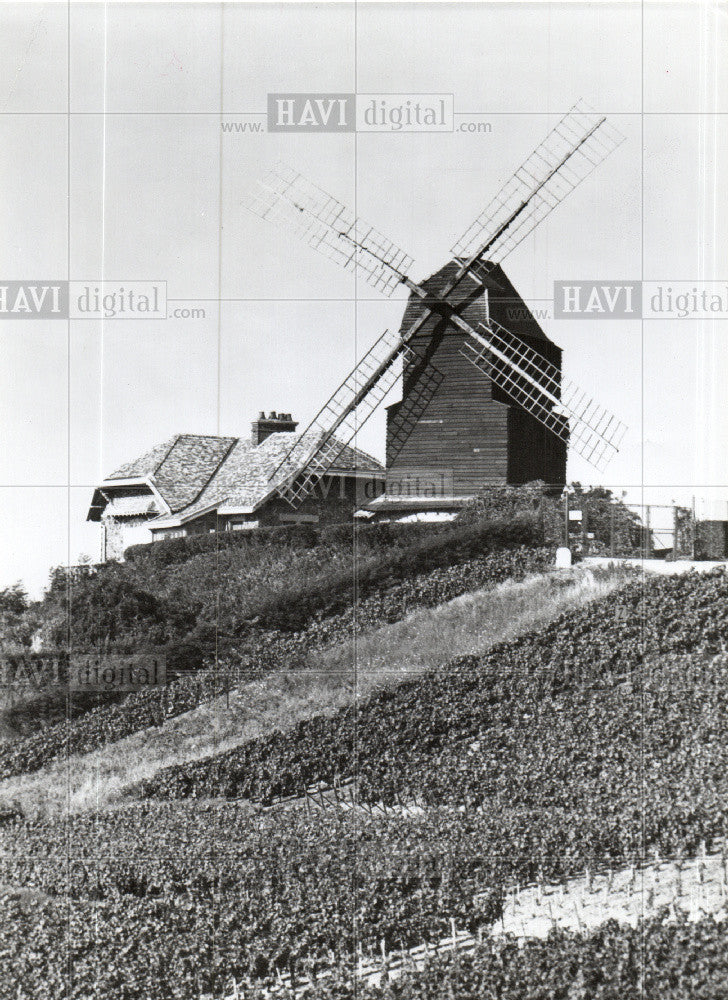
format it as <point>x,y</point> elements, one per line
<point>653,961</point>
<point>417,740</point>
<point>259,651</point>
<point>598,740</point>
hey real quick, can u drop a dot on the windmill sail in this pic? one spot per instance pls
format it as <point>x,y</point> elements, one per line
<point>571,151</point>
<point>338,421</point>
<point>568,154</point>
<point>537,386</point>
<point>290,199</point>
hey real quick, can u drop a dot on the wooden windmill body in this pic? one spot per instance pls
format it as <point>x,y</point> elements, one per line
<point>455,428</point>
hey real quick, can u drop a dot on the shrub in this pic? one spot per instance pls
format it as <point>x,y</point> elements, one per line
<point>110,611</point>
<point>608,518</point>
<point>174,550</point>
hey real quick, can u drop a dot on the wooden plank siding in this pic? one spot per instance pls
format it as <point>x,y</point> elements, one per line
<point>452,418</point>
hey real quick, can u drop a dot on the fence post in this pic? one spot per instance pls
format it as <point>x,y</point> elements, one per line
<point>675,531</point>
<point>612,519</point>
<point>648,532</point>
<point>566,519</point>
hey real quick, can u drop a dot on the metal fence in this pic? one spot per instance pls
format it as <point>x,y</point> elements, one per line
<point>646,531</point>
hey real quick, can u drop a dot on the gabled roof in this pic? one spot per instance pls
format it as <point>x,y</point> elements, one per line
<point>243,479</point>
<point>505,304</point>
<point>148,463</point>
<point>195,473</point>
<point>181,467</point>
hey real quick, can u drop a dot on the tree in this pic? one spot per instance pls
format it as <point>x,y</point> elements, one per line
<point>609,519</point>
<point>15,628</point>
<point>13,600</point>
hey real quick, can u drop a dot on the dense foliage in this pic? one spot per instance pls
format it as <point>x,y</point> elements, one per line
<point>15,627</point>
<point>90,727</point>
<point>158,903</point>
<point>614,526</point>
<point>162,902</point>
<point>333,591</point>
<point>365,537</point>
<point>217,593</point>
<point>653,961</point>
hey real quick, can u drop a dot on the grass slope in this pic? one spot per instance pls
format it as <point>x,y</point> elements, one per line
<point>332,678</point>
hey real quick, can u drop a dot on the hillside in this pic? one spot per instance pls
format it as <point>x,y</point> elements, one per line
<point>247,601</point>
<point>596,739</point>
<point>364,658</point>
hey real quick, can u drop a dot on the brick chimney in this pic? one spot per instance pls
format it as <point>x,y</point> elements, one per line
<point>264,426</point>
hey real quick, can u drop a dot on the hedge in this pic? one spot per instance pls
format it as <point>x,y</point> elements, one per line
<point>300,536</point>
<point>330,592</point>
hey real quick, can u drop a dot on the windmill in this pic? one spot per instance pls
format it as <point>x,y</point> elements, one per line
<point>529,380</point>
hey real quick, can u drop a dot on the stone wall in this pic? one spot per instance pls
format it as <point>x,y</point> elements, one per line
<point>119,533</point>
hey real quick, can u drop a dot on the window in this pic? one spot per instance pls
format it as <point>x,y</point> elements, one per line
<point>165,533</point>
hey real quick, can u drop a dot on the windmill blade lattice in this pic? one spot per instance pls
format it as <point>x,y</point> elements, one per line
<point>325,224</point>
<point>568,154</point>
<point>338,421</point>
<point>537,386</point>
<point>414,403</point>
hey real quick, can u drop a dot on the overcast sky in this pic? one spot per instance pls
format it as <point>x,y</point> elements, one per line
<point>155,191</point>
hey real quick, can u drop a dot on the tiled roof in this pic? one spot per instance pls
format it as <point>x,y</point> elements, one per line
<point>147,464</point>
<point>181,467</point>
<point>190,464</point>
<point>194,473</point>
<point>243,479</point>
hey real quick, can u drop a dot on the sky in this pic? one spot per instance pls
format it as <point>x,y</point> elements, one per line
<point>113,164</point>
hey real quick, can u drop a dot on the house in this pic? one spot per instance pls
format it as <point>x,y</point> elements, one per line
<point>196,483</point>
<point>456,431</point>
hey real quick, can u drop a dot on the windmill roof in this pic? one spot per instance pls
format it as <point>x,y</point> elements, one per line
<point>505,304</point>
